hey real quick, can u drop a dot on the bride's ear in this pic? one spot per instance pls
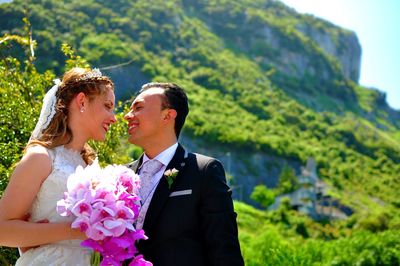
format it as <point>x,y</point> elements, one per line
<point>80,101</point>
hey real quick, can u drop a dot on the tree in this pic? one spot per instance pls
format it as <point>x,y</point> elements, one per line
<point>288,181</point>
<point>263,195</point>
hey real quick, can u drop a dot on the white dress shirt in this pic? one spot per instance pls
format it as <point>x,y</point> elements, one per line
<point>165,158</point>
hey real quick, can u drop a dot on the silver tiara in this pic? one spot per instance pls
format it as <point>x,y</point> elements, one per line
<point>94,73</point>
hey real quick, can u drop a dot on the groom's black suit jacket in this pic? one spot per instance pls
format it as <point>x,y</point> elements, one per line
<point>192,229</point>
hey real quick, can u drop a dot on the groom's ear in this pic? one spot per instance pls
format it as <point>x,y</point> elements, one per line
<point>170,115</point>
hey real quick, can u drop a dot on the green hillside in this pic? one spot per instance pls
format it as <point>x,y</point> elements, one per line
<point>284,238</point>
<point>234,99</point>
<point>258,81</point>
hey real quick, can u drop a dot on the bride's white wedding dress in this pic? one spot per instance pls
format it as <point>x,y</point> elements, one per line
<point>67,252</point>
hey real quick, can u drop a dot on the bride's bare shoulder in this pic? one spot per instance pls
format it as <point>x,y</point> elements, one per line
<point>37,152</point>
<point>36,159</point>
<point>37,149</point>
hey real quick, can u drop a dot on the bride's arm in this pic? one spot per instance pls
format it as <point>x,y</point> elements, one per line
<point>17,199</point>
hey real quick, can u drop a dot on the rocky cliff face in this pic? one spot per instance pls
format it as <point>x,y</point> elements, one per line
<point>343,45</point>
<point>244,169</point>
<point>307,54</point>
<point>282,58</point>
<point>313,51</point>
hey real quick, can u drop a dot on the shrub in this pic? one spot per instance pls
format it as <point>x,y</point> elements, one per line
<point>263,195</point>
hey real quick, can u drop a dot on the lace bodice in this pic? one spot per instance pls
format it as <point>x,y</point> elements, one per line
<point>67,252</point>
<point>52,190</point>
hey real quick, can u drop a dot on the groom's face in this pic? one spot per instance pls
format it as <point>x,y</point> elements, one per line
<point>145,119</point>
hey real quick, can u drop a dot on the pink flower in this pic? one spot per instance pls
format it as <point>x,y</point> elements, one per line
<point>82,208</point>
<point>98,231</point>
<point>122,211</point>
<point>140,261</point>
<point>117,227</point>
<point>63,206</point>
<point>106,203</point>
<point>82,223</point>
<point>95,245</point>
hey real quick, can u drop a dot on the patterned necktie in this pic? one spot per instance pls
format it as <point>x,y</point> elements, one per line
<point>149,169</point>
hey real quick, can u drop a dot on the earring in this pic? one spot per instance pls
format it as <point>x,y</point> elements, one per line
<point>82,109</point>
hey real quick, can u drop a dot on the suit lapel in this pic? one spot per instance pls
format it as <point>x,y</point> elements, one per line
<point>162,192</point>
<point>135,165</point>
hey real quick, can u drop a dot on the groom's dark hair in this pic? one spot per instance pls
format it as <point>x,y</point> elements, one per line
<point>174,98</point>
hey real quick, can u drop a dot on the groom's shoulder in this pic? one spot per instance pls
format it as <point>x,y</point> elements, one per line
<point>203,161</point>
<point>202,157</point>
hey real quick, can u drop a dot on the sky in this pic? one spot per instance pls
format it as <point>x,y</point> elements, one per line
<point>376,23</point>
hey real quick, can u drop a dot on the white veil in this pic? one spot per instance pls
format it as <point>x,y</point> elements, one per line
<point>48,111</point>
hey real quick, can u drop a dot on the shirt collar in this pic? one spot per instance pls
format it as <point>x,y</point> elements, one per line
<point>164,157</point>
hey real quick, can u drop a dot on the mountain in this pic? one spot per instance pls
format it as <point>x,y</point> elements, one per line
<point>268,87</point>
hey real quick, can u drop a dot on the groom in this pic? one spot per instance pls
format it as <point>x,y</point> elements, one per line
<point>187,210</point>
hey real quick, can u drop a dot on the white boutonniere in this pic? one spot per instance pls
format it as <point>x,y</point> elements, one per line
<point>170,175</point>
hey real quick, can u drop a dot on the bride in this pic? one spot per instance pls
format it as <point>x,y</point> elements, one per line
<point>74,111</point>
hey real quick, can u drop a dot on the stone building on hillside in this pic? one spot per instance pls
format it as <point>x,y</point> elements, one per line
<point>311,198</point>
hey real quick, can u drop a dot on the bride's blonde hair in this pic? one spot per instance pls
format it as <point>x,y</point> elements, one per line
<point>74,81</point>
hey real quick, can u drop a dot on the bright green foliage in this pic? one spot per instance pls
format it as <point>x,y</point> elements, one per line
<point>73,60</point>
<point>21,91</point>
<point>265,242</point>
<point>263,195</point>
<point>213,49</point>
<point>238,97</point>
<point>288,181</point>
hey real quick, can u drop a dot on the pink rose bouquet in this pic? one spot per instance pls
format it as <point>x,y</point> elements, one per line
<point>105,202</point>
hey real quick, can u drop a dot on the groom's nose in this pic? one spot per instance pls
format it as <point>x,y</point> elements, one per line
<point>128,115</point>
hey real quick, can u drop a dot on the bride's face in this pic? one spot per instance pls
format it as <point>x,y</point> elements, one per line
<point>100,115</point>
